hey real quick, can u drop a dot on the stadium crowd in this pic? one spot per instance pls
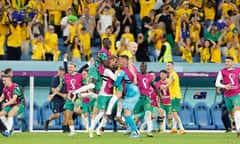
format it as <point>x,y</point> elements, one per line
<point>198,31</point>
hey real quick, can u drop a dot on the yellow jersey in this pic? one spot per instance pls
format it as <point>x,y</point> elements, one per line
<point>209,13</point>
<point>55,17</point>
<point>225,8</point>
<point>195,32</point>
<point>232,52</point>
<point>25,33</point>
<point>216,55</point>
<point>204,55</point>
<point>85,40</point>
<point>187,54</point>
<point>76,53</point>
<point>182,11</point>
<point>17,4</point>
<point>51,42</point>
<point>2,40</point>
<point>15,40</point>
<point>157,38</point>
<point>146,7</point>
<point>93,9</point>
<point>174,88</point>
<point>37,50</point>
<point>72,31</point>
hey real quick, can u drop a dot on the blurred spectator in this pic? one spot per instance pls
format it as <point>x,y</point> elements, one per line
<point>14,41</point>
<point>167,18</point>
<point>122,45</point>
<point>76,50</point>
<point>226,6</point>
<point>147,20</point>
<point>166,51</point>
<point>155,34</point>
<point>187,49</point>
<point>54,17</point>
<point>216,51</point>
<point>65,25</point>
<point>106,16</point>
<point>142,51</point>
<point>128,19</point>
<point>87,21</point>
<point>205,51</point>
<point>38,51</point>
<point>85,40</point>
<point>109,34</point>
<point>25,38</point>
<point>51,42</point>
<point>209,13</point>
<point>93,6</point>
<point>145,7</point>
<point>127,34</point>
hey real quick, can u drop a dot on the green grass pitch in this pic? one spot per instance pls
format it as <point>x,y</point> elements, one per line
<point>119,138</point>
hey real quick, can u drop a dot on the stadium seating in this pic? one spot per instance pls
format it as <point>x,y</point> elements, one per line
<point>187,117</point>
<point>216,113</point>
<point>45,113</point>
<point>203,117</point>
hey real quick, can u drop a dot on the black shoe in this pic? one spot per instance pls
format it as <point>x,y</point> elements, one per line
<point>66,129</point>
<point>46,125</point>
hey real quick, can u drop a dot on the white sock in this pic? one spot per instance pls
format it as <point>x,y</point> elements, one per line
<point>103,123</point>
<point>72,129</point>
<point>143,125</point>
<point>179,122</point>
<point>9,123</point>
<point>96,120</point>
<point>237,120</point>
<point>119,108</point>
<point>174,123</point>
<point>111,104</point>
<point>148,119</point>
<point>4,121</point>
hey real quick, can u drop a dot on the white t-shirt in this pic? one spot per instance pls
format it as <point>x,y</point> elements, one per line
<point>64,22</point>
<point>106,20</point>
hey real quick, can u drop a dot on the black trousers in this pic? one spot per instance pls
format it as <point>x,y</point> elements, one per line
<point>48,56</point>
<point>14,53</point>
<point>225,119</point>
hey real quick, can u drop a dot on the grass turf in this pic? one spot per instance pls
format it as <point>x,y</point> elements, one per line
<point>119,138</point>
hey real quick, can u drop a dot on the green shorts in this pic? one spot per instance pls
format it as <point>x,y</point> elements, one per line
<point>143,104</point>
<point>232,101</point>
<point>102,102</point>
<point>7,109</point>
<point>88,107</point>
<point>167,108</point>
<point>69,105</point>
<point>176,104</point>
<point>94,74</point>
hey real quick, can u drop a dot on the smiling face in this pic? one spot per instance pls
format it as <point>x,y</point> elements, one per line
<point>132,47</point>
<point>228,63</point>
